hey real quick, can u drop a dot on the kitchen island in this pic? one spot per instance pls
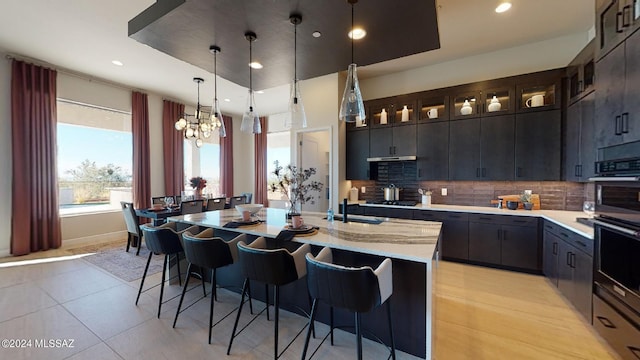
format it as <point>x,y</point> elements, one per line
<point>412,246</point>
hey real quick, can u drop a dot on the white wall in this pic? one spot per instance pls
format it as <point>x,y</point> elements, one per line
<point>539,56</point>
<point>5,155</point>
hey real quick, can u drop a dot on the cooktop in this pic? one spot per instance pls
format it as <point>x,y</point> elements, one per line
<point>395,202</point>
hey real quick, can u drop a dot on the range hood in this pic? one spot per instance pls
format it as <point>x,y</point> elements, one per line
<point>392,158</point>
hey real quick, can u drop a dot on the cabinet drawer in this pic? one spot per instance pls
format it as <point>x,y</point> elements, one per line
<point>428,215</point>
<point>579,242</point>
<point>504,219</point>
<point>623,337</point>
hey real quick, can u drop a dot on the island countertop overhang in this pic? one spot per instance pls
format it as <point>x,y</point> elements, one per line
<point>413,240</point>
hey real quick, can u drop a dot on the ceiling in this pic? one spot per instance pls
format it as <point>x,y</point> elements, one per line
<point>85,36</point>
<point>186,29</point>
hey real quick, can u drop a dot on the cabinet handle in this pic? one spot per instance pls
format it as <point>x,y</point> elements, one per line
<point>518,172</point>
<point>548,226</point>
<point>477,172</point>
<point>618,125</point>
<point>419,172</point>
<point>484,172</point>
<point>573,260</point>
<point>568,258</point>
<point>391,150</point>
<point>564,234</point>
<point>519,221</point>
<point>394,150</point>
<point>575,170</point>
<point>485,218</point>
<point>455,216</point>
<point>606,322</point>
<point>618,22</point>
<point>555,248</point>
<point>625,123</point>
<point>581,243</point>
<point>626,16</point>
<point>580,170</point>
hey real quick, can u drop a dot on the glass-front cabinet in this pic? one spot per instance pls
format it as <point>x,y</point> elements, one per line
<point>616,20</point>
<point>387,112</point>
<point>405,110</point>
<point>433,107</point>
<point>465,105</point>
<point>538,96</point>
<point>497,101</point>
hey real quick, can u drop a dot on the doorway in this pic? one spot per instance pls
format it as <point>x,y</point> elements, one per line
<point>314,151</point>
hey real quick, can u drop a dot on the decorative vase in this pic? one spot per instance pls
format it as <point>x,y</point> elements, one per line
<point>528,206</point>
<point>405,114</point>
<point>383,117</point>
<point>466,108</point>
<point>294,209</point>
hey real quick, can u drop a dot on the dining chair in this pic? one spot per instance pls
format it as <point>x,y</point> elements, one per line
<point>158,200</point>
<point>236,200</point>
<point>134,234</point>
<point>216,204</point>
<point>191,207</point>
<point>178,199</point>
<point>247,197</point>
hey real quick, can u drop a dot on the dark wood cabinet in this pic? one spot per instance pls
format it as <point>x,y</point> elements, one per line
<point>581,74</point>
<point>393,141</point>
<point>509,241</point>
<point>482,148</point>
<point>432,151</point>
<point>618,75</point>
<point>615,21</point>
<point>538,146</point>
<point>496,148</point>
<point>580,148</point>
<point>388,212</point>
<point>568,263</point>
<point>455,232</point>
<point>357,167</point>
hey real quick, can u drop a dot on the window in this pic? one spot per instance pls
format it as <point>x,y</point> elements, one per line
<point>95,155</point>
<point>278,148</point>
<point>204,162</point>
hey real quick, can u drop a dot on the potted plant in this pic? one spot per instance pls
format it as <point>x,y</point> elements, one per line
<point>294,184</point>
<point>198,183</point>
<point>525,198</point>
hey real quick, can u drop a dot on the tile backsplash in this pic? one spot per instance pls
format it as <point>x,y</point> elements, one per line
<point>554,195</point>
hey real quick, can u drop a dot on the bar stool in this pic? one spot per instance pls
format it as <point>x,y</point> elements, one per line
<point>207,252</point>
<point>272,267</point>
<point>162,240</point>
<point>359,290</point>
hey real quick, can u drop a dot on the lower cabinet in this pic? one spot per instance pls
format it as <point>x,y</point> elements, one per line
<point>509,241</point>
<point>455,232</point>
<point>623,337</point>
<point>569,267</point>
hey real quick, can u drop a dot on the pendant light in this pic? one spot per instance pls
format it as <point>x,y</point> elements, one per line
<point>216,116</point>
<point>352,106</point>
<point>250,119</point>
<point>199,126</point>
<point>296,118</point>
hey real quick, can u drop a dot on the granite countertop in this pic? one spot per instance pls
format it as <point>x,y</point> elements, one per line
<point>566,219</point>
<point>413,240</point>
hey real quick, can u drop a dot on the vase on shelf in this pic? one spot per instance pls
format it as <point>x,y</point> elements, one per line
<point>294,209</point>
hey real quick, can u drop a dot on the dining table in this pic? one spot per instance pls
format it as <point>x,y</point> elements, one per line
<point>159,216</point>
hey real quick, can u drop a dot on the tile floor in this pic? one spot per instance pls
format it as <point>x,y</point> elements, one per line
<point>73,300</point>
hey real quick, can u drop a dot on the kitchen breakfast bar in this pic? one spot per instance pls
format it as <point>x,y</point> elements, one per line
<point>412,246</point>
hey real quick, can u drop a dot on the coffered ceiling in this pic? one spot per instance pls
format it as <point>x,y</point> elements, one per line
<point>85,36</point>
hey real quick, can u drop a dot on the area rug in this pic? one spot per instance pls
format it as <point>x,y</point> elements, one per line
<point>113,258</point>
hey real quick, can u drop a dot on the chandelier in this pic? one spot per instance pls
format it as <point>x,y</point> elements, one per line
<point>200,124</point>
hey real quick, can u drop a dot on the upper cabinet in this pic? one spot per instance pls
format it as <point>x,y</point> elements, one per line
<point>581,74</point>
<point>397,110</point>
<point>618,83</point>
<point>615,21</point>
<point>498,101</point>
<point>542,94</point>
<point>465,104</point>
<point>432,107</point>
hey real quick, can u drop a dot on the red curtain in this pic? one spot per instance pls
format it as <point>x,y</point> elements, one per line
<point>173,148</point>
<point>226,158</point>
<point>141,162</point>
<point>260,156</point>
<point>35,221</point>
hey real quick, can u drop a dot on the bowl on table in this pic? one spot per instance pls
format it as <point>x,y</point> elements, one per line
<point>512,205</point>
<point>252,208</point>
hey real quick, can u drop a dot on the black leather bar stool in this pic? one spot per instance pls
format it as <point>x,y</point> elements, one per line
<point>207,252</point>
<point>162,240</point>
<point>359,290</point>
<point>272,267</point>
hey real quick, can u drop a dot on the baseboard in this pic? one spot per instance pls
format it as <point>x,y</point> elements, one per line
<point>5,253</point>
<point>95,239</point>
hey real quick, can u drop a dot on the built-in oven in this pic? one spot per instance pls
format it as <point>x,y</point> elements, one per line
<point>616,276</point>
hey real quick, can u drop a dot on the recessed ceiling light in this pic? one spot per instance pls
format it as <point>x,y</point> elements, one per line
<point>117,62</point>
<point>316,34</point>
<point>227,100</point>
<point>504,6</point>
<point>357,33</point>
<point>255,65</point>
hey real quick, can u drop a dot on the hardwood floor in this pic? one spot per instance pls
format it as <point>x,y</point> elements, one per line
<point>483,313</point>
